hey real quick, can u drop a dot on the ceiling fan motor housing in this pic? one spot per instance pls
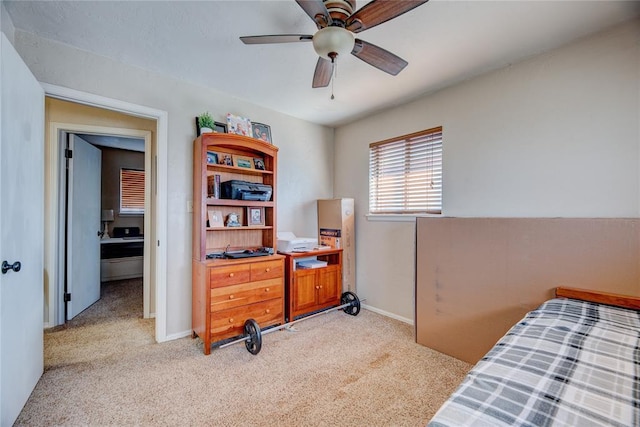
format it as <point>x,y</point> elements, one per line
<point>340,10</point>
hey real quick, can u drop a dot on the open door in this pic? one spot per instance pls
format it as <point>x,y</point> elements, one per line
<point>83,226</point>
<point>21,232</point>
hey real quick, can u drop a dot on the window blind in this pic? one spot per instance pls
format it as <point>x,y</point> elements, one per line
<point>131,191</point>
<point>405,174</point>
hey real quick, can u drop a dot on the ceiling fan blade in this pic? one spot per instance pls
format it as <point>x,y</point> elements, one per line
<point>317,11</point>
<point>378,57</point>
<point>281,38</point>
<point>379,11</point>
<point>323,73</point>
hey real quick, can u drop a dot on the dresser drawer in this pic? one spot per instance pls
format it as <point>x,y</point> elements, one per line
<point>230,322</point>
<point>246,293</point>
<point>229,275</point>
<point>267,270</point>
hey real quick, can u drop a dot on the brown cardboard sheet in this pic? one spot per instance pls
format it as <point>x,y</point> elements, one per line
<point>476,277</point>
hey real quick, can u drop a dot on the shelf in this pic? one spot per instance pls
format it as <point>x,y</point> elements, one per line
<point>235,169</point>
<point>241,203</point>
<point>244,227</point>
<point>208,238</point>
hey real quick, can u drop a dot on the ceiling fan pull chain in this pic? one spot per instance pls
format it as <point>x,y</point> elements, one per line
<point>335,74</point>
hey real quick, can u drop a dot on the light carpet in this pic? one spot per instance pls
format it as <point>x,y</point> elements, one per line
<point>104,368</point>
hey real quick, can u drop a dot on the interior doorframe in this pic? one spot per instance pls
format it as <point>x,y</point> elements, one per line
<point>63,129</point>
<point>156,163</point>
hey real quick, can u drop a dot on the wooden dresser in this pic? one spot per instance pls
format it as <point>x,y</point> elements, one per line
<point>228,292</point>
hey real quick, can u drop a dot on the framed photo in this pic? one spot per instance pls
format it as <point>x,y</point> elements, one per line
<point>212,158</point>
<point>238,125</point>
<point>220,127</point>
<point>243,162</point>
<point>261,131</point>
<point>198,133</point>
<point>225,159</point>
<point>215,219</point>
<point>258,163</point>
<point>255,216</point>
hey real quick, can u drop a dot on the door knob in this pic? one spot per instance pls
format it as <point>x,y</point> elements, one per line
<point>6,266</point>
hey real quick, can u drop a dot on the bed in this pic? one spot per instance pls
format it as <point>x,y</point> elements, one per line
<point>573,361</point>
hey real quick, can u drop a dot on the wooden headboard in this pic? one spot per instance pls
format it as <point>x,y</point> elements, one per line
<point>476,277</point>
<point>608,298</point>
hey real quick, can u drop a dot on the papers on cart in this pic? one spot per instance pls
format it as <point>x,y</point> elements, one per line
<point>310,263</point>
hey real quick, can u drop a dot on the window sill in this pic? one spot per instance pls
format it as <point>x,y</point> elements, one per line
<point>399,217</point>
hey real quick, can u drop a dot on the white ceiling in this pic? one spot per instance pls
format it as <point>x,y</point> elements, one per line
<point>444,42</point>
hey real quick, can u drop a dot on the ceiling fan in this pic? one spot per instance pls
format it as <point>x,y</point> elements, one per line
<point>337,22</point>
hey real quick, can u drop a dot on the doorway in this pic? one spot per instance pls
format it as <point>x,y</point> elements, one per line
<point>104,204</point>
<point>155,184</point>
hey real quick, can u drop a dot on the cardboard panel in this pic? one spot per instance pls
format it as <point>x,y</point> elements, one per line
<point>336,228</point>
<point>476,277</point>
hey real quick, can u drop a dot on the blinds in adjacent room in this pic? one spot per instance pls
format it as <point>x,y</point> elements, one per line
<point>131,191</point>
<point>405,174</point>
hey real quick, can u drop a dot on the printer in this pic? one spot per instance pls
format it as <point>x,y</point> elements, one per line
<point>288,242</point>
<point>245,190</point>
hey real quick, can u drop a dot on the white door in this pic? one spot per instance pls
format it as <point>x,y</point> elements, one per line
<point>83,226</point>
<point>21,232</point>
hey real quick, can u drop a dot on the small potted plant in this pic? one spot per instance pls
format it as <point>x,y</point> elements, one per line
<point>205,122</point>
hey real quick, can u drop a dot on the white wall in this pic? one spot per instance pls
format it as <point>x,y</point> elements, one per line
<point>6,24</point>
<point>305,156</point>
<point>556,135</point>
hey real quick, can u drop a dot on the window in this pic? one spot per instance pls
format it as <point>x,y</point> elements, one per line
<point>405,174</point>
<point>131,191</point>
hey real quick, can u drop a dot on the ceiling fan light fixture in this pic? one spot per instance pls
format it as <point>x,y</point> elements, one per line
<point>333,40</point>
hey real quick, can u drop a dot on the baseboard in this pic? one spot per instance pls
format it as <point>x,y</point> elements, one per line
<point>177,336</point>
<point>387,314</point>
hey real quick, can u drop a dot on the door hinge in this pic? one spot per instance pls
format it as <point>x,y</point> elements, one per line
<point>67,297</point>
<point>68,153</point>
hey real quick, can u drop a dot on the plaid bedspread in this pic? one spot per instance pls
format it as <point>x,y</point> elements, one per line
<point>567,363</point>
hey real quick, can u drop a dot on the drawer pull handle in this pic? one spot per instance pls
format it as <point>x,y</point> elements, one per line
<point>231,320</point>
<point>230,274</point>
<point>267,270</point>
<point>266,289</point>
<point>230,296</point>
<point>317,287</point>
<point>267,311</point>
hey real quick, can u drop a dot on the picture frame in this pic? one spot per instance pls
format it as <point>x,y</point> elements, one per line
<point>258,163</point>
<point>261,131</point>
<point>243,161</point>
<point>212,158</point>
<point>225,159</point>
<point>255,216</point>
<point>220,127</point>
<point>216,219</point>
<point>198,133</point>
<point>238,125</point>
